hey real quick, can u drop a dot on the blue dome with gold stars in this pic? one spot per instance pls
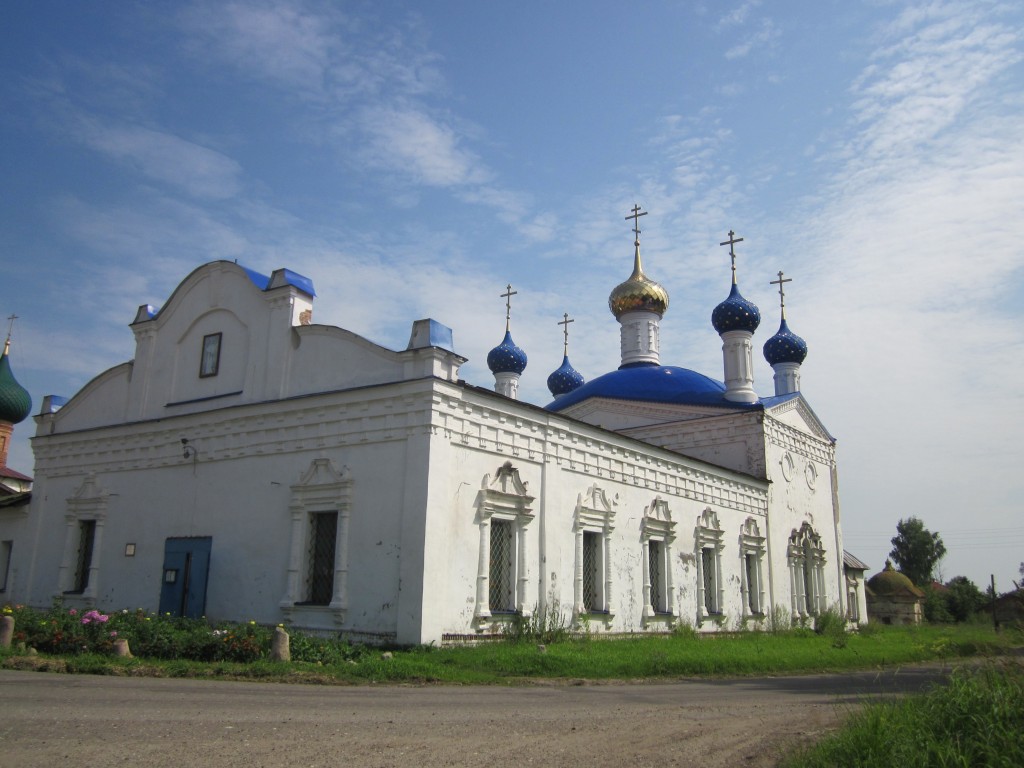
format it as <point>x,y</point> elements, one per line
<point>785,347</point>
<point>735,314</point>
<point>506,357</point>
<point>15,401</point>
<point>565,379</point>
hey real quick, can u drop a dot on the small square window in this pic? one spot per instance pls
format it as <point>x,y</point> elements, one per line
<point>210,362</point>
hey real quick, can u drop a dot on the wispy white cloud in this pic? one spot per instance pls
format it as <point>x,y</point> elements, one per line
<point>765,34</point>
<point>419,147</point>
<point>283,42</point>
<point>739,15</point>
<point>199,171</point>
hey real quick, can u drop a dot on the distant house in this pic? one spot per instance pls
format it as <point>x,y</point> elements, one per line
<point>856,594</point>
<point>892,598</point>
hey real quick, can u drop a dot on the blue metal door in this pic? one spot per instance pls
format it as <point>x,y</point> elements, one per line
<point>183,584</point>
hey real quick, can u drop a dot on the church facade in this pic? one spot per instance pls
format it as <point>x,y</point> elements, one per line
<point>248,464</point>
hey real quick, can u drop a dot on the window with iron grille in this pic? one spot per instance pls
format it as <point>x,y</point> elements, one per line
<point>86,537</point>
<point>853,607</point>
<point>502,586</point>
<point>592,571</point>
<point>321,558</point>
<point>809,584</point>
<point>709,569</point>
<point>753,582</point>
<point>657,585</point>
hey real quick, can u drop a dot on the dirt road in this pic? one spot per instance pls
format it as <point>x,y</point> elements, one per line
<point>54,720</point>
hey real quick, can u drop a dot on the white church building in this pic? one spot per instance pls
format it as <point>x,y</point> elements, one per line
<point>248,464</point>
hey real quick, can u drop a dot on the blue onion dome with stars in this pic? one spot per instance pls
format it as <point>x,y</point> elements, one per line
<point>564,380</point>
<point>15,401</point>
<point>506,357</point>
<point>735,314</point>
<point>785,347</point>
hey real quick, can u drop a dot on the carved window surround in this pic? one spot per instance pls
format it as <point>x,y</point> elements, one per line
<point>709,545</point>
<point>752,553</point>
<point>90,502</point>
<point>321,488</point>
<point>594,514</point>
<point>657,526</point>
<point>806,558</point>
<point>504,498</point>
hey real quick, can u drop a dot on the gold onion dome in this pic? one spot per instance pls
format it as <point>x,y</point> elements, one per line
<point>638,294</point>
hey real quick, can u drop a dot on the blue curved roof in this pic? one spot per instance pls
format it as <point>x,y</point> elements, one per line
<point>654,384</point>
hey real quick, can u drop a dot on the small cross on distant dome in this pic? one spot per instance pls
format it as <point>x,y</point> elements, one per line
<point>635,216</point>
<point>731,242</point>
<point>507,296</point>
<point>10,330</point>
<point>782,292</point>
<point>565,331</point>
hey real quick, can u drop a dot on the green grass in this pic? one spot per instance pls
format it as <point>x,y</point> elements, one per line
<point>977,720</point>
<point>586,658</point>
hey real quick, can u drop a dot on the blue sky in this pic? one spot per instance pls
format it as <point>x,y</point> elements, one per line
<point>414,158</point>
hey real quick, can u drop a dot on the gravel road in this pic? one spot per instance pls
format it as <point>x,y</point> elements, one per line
<point>55,719</point>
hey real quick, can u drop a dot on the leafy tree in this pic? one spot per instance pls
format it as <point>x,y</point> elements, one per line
<point>916,550</point>
<point>963,598</point>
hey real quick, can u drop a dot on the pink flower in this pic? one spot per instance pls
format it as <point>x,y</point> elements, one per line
<point>114,633</point>
<point>73,612</point>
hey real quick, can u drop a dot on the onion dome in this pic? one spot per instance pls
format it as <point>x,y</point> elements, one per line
<point>785,347</point>
<point>565,379</point>
<point>638,294</point>
<point>506,357</point>
<point>735,314</point>
<point>15,401</point>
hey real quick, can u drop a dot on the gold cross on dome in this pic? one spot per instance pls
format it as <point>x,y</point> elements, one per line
<point>731,242</point>
<point>635,216</point>
<point>782,292</point>
<point>565,331</point>
<point>507,296</point>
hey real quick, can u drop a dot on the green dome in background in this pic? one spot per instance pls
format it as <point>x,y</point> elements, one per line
<point>890,582</point>
<point>15,401</point>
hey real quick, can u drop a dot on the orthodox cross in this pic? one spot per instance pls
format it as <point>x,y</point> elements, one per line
<point>782,292</point>
<point>507,296</point>
<point>732,251</point>
<point>565,331</point>
<point>10,330</point>
<point>635,216</point>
